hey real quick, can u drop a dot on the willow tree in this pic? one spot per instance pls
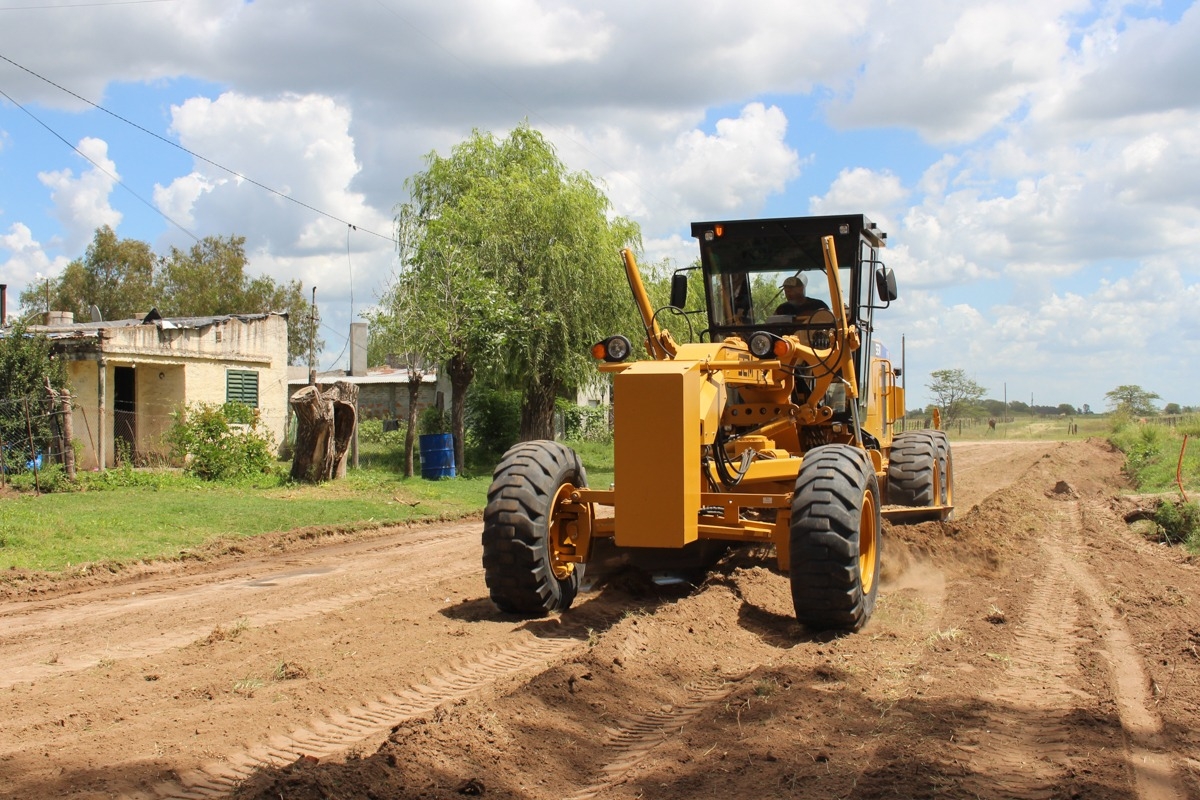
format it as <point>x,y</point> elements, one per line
<point>519,260</point>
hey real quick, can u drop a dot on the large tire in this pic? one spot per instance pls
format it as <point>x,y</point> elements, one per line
<point>911,468</point>
<point>945,462</point>
<point>520,566</point>
<point>835,539</point>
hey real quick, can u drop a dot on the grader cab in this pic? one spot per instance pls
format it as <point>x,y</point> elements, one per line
<point>776,427</point>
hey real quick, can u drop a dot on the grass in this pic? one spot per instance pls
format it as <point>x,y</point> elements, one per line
<point>124,515</point>
<point>1032,428</point>
<point>164,515</point>
<point>1157,459</point>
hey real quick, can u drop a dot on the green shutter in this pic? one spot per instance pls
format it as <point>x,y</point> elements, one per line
<point>241,386</point>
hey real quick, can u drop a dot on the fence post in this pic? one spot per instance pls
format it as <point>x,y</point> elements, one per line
<point>37,485</point>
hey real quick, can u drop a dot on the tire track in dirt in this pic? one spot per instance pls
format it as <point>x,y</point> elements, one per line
<point>632,740</point>
<point>1023,751</point>
<point>29,655</point>
<point>339,731</point>
<point>1154,773</point>
<point>336,732</point>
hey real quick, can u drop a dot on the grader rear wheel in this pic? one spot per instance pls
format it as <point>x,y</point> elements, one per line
<point>835,539</point>
<point>911,469</point>
<point>524,537</point>
<point>945,462</point>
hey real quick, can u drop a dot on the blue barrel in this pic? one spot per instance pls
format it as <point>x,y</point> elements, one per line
<point>437,456</point>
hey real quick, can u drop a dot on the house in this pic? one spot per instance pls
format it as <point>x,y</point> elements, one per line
<point>382,391</point>
<point>128,377</point>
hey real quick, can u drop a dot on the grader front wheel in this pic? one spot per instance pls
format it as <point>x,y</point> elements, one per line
<point>523,544</point>
<point>835,539</point>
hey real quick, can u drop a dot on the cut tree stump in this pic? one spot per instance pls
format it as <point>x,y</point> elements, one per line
<point>325,423</point>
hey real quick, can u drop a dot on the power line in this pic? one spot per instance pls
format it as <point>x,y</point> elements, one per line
<point>84,155</point>
<point>192,153</point>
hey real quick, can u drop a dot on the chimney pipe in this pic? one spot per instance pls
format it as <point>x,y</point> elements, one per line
<point>3,303</point>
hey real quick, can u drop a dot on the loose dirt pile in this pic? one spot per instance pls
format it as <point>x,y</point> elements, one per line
<point>1033,647</point>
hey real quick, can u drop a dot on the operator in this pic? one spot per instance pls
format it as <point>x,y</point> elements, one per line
<point>797,301</point>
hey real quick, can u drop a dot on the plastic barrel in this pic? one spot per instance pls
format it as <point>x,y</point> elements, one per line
<point>437,456</point>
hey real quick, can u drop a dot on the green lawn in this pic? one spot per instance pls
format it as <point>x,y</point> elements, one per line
<point>128,523</point>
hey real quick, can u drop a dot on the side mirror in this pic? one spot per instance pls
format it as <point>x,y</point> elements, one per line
<point>885,284</point>
<point>679,287</point>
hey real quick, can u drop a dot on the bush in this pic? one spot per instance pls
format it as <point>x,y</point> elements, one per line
<point>493,424</point>
<point>1179,523</point>
<point>50,478</point>
<point>584,423</point>
<point>370,431</point>
<point>433,420</point>
<point>202,437</point>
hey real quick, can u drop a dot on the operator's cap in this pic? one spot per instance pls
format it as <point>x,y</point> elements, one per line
<point>792,281</point>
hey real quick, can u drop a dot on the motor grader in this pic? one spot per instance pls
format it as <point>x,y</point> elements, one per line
<point>773,427</point>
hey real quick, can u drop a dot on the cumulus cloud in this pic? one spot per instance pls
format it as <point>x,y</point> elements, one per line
<point>953,71</point>
<point>729,172</point>
<point>81,203</point>
<point>300,147</point>
<point>27,260</point>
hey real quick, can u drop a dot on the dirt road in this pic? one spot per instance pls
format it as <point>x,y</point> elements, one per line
<point>1032,648</point>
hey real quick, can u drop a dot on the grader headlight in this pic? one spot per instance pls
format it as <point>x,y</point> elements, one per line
<point>613,349</point>
<point>762,344</point>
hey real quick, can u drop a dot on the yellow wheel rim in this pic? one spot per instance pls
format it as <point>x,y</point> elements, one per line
<point>564,518</point>
<point>868,541</point>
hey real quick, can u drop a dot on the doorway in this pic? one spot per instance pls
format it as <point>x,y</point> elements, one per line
<point>125,414</point>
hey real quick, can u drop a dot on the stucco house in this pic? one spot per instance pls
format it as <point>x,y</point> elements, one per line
<point>382,391</point>
<point>129,376</point>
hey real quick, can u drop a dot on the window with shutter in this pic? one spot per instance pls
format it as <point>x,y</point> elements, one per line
<point>241,385</point>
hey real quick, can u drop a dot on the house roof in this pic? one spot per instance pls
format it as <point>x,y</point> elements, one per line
<point>91,329</point>
<point>298,376</point>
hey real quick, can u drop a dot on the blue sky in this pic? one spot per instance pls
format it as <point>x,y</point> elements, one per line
<point>1036,163</point>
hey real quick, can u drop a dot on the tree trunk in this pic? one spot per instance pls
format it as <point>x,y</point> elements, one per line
<point>325,423</point>
<point>461,374</point>
<point>537,411</point>
<point>61,401</point>
<point>345,422</point>
<point>410,435</point>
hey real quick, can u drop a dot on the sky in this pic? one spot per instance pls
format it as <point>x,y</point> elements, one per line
<point>1035,163</point>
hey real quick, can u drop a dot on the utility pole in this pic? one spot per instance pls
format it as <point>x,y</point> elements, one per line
<point>312,341</point>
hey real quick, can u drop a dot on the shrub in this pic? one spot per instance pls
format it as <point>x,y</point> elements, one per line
<point>493,424</point>
<point>370,431</point>
<point>50,478</point>
<point>1179,523</point>
<point>202,437</point>
<point>433,420</point>
<point>584,423</point>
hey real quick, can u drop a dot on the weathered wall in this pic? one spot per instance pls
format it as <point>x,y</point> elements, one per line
<point>174,367</point>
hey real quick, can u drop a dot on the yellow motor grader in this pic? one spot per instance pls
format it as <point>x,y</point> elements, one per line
<point>775,427</point>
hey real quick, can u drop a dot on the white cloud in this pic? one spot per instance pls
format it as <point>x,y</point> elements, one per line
<point>953,71</point>
<point>694,175</point>
<point>27,261</point>
<point>81,204</point>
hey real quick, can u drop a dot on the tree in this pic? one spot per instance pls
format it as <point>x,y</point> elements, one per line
<point>519,269</point>
<point>1067,410</point>
<point>115,275</point>
<point>954,393</point>
<point>396,330</point>
<point>26,363</point>
<point>210,278</point>
<point>1131,399</point>
<point>1173,408</point>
